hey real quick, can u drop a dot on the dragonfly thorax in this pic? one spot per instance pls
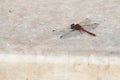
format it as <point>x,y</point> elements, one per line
<point>75,26</point>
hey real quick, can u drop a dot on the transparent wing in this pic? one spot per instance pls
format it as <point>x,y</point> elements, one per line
<point>85,21</point>
<point>61,31</point>
<point>88,24</point>
<point>64,33</point>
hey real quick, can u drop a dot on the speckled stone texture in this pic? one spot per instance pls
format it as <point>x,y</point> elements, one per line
<point>26,28</point>
<point>31,67</point>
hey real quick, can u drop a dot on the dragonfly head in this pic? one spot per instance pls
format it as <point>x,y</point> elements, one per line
<point>72,26</point>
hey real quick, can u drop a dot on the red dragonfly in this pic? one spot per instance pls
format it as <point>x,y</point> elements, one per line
<point>78,27</point>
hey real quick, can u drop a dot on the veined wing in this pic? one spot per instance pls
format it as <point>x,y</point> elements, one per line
<point>63,33</point>
<point>88,24</point>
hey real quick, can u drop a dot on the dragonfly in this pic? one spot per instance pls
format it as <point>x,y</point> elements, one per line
<point>84,26</point>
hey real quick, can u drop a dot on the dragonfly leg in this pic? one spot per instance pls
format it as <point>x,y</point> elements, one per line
<point>80,31</point>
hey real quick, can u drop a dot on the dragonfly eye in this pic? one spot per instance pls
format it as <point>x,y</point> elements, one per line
<point>72,26</point>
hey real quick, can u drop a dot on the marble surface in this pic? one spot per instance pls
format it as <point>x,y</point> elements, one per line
<point>26,26</point>
<point>30,50</point>
<point>32,67</point>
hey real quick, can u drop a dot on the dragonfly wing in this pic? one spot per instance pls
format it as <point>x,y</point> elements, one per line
<point>90,26</point>
<point>60,31</point>
<point>85,21</point>
<point>65,33</point>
